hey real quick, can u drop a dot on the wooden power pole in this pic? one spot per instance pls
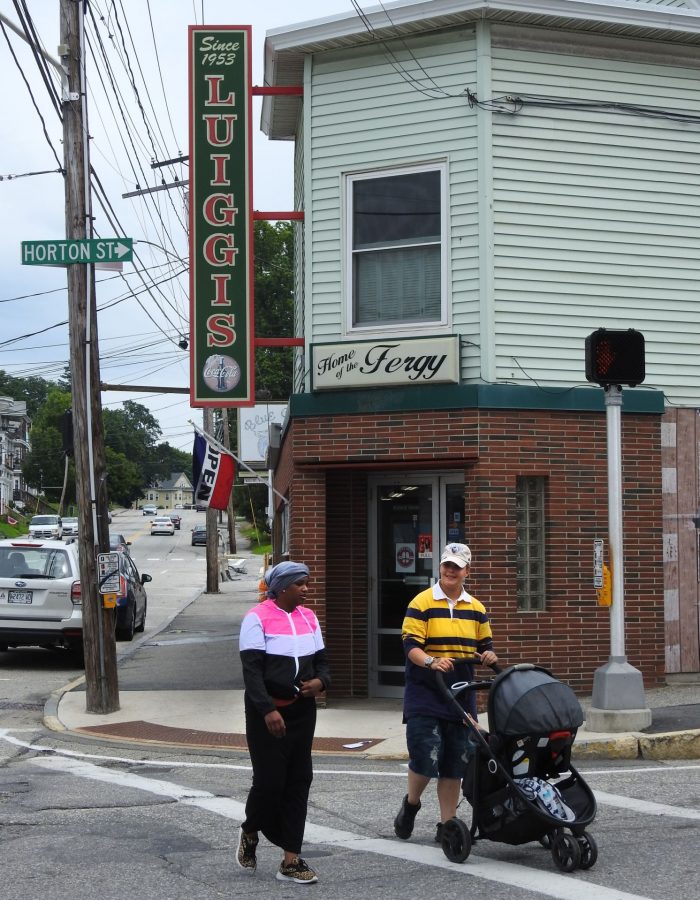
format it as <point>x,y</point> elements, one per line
<point>230,509</point>
<point>212,522</point>
<point>102,694</point>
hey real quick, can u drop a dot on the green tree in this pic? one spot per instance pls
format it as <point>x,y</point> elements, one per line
<point>250,501</point>
<point>124,479</point>
<point>33,390</point>
<point>44,465</point>
<point>131,430</point>
<point>163,460</point>
<point>274,306</point>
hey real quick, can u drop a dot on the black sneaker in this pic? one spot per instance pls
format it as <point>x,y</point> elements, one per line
<point>404,821</point>
<point>245,855</point>
<point>438,833</point>
<point>297,870</point>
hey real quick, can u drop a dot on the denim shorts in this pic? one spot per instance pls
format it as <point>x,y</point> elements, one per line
<point>437,748</point>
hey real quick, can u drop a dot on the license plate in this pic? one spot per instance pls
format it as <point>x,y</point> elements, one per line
<point>19,596</point>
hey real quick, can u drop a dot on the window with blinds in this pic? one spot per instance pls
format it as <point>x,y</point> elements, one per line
<point>397,233</point>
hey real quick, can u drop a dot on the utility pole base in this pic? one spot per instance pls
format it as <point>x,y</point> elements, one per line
<point>618,702</point>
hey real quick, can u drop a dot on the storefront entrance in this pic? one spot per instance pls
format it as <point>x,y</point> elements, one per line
<point>410,519</point>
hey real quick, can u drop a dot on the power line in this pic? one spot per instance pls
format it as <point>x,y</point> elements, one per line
<point>32,97</point>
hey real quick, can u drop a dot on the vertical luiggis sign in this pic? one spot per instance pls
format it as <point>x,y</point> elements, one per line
<point>221,221</point>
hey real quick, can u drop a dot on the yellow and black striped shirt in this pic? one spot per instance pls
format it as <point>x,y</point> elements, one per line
<point>458,631</point>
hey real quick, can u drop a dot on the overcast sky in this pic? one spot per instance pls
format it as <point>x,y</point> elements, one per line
<point>138,334</point>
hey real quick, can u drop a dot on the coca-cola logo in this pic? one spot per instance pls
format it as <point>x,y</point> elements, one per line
<point>221,373</point>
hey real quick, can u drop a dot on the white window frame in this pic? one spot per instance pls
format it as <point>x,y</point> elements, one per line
<point>435,326</point>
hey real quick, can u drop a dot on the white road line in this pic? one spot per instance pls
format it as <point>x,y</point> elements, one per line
<point>6,735</point>
<point>647,807</point>
<point>563,887</point>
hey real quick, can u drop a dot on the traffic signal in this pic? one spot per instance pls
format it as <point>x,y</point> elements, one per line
<point>615,357</point>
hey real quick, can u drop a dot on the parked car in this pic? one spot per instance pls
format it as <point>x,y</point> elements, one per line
<point>162,525</point>
<point>40,599</point>
<point>200,507</point>
<point>71,526</point>
<point>179,506</point>
<point>132,601</point>
<point>176,520</point>
<point>46,528</point>
<point>149,510</point>
<point>118,542</point>
<point>199,536</point>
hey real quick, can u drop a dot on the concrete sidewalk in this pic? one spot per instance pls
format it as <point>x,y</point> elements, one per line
<point>182,687</point>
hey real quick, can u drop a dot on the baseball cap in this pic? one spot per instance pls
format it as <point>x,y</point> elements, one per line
<point>459,554</point>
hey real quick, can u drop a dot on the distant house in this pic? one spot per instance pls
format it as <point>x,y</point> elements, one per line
<point>14,446</point>
<point>174,490</point>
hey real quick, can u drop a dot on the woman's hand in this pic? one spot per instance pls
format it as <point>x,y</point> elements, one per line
<point>275,724</point>
<point>311,688</point>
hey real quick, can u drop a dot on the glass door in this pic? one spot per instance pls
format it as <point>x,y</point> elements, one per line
<point>410,520</point>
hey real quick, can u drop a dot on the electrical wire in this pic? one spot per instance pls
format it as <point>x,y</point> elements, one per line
<point>160,71</point>
<point>34,45</point>
<point>434,92</point>
<point>33,98</point>
<point>30,174</point>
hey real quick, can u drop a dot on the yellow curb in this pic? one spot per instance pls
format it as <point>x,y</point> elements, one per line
<point>678,745</point>
<point>616,748</point>
<point>53,723</point>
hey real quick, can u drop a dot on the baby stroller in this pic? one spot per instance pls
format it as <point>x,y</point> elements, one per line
<point>520,782</point>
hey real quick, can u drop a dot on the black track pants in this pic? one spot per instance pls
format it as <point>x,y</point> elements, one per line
<point>282,774</point>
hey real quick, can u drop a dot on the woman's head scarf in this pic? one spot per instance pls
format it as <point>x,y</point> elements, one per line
<point>279,577</point>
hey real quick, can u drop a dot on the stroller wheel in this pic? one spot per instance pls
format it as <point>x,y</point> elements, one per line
<point>456,840</point>
<point>566,851</point>
<point>546,841</point>
<point>589,850</point>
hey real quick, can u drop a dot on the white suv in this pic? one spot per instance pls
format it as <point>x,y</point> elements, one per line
<point>40,598</point>
<point>49,527</point>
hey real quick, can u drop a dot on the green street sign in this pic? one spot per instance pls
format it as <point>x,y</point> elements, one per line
<point>65,253</point>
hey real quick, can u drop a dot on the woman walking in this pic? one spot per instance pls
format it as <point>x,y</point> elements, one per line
<point>284,670</point>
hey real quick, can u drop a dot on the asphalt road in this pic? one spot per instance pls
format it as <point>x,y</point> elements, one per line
<point>83,818</point>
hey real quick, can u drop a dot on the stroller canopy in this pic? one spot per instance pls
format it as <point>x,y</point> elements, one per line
<point>527,699</point>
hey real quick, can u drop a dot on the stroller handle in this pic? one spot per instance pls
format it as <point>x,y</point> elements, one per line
<point>459,686</point>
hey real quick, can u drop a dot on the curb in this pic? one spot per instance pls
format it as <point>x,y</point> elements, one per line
<point>670,745</point>
<point>50,717</point>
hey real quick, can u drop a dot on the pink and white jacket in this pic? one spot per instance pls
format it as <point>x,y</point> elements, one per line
<point>279,650</point>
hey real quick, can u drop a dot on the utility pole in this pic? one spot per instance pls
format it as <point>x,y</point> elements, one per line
<point>212,521</point>
<point>230,509</point>
<point>102,694</point>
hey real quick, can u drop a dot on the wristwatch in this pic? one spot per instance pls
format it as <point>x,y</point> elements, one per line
<point>428,661</point>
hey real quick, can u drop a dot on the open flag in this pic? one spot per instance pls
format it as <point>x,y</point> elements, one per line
<point>213,471</point>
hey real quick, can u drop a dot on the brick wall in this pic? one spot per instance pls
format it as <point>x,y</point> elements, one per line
<point>324,465</point>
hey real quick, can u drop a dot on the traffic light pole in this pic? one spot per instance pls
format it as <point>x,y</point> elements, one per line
<point>618,690</point>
